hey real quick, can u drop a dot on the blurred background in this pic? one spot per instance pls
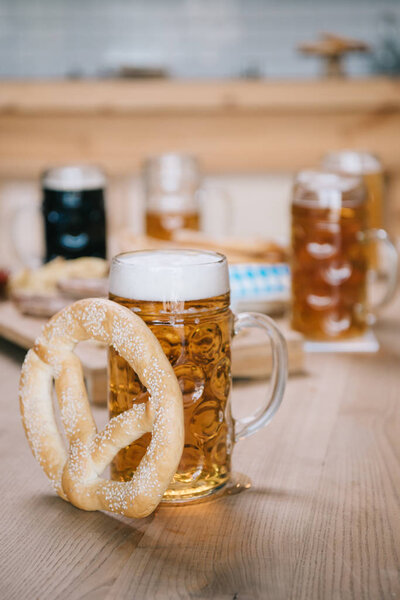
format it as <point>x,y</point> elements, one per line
<point>187,38</point>
<point>255,89</point>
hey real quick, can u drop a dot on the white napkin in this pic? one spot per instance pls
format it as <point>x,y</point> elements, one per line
<point>363,343</point>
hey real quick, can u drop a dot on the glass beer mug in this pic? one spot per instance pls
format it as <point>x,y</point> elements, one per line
<point>171,183</point>
<point>175,196</point>
<point>183,296</point>
<point>72,215</point>
<point>369,167</point>
<point>330,242</point>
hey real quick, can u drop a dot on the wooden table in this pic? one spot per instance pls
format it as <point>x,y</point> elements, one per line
<point>321,521</point>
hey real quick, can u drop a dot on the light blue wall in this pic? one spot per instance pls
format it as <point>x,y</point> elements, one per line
<point>192,38</point>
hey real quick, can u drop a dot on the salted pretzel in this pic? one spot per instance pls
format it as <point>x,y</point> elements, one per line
<point>76,475</point>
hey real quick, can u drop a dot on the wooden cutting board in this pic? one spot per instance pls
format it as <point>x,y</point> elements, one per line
<point>251,356</point>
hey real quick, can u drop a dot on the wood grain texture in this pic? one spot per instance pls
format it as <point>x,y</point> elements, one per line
<point>245,141</point>
<point>116,95</point>
<point>232,126</point>
<point>320,521</point>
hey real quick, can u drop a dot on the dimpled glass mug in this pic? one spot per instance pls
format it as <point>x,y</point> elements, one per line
<point>330,244</point>
<point>183,295</point>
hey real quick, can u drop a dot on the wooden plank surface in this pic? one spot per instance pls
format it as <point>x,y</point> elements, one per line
<point>321,520</point>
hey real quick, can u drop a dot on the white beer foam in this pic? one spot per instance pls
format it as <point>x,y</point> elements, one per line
<point>71,178</point>
<point>352,162</point>
<point>169,275</point>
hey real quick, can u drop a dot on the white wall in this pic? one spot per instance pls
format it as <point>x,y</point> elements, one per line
<point>191,38</point>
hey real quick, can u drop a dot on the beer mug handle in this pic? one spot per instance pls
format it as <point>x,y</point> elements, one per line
<point>381,236</point>
<point>248,425</point>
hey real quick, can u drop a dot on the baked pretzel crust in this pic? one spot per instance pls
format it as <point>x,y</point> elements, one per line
<point>75,475</point>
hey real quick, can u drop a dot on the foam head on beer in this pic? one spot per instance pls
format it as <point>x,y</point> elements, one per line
<point>74,178</point>
<point>169,275</point>
<point>352,162</point>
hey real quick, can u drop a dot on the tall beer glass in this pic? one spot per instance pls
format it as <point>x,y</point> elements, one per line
<point>183,295</point>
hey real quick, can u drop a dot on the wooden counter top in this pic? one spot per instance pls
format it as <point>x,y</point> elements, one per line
<point>321,520</point>
<point>116,95</point>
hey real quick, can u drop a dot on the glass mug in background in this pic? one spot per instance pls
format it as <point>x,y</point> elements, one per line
<point>183,296</point>
<point>74,211</point>
<point>369,167</point>
<point>329,266</point>
<point>173,195</point>
<point>73,215</point>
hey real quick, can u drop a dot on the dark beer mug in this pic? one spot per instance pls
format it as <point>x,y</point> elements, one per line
<point>73,209</point>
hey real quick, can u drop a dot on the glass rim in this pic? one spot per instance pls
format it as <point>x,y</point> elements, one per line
<point>221,257</point>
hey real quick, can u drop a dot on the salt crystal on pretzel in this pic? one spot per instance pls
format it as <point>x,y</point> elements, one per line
<point>75,475</point>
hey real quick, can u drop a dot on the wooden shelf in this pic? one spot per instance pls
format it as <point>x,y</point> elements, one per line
<point>122,96</point>
<point>232,126</point>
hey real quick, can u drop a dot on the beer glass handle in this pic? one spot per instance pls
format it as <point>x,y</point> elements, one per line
<point>380,235</point>
<point>248,425</point>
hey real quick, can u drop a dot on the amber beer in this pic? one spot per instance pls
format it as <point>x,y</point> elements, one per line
<point>172,186</point>
<point>195,335</point>
<point>162,225</point>
<point>329,259</point>
<point>369,167</point>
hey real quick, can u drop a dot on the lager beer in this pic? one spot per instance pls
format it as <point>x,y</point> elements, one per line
<point>330,255</point>
<point>367,166</point>
<point>172,187</point>
<point>162,225</point>
<point>183,296</point>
